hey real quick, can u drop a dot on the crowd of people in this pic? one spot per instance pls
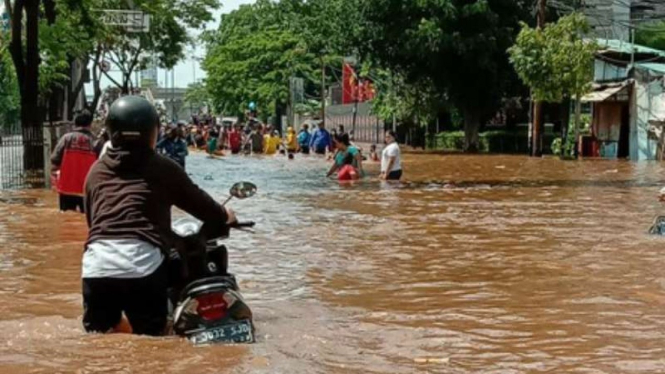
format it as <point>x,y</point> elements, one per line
<point>257,138</point>
<point>79,149</point>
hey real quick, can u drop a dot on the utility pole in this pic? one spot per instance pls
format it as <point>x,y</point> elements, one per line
<point>175,115</point>
<point>323,91</point>
<point>537,128</point>
<point>632,47</point>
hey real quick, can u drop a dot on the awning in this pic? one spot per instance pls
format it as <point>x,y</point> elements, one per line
<point>604,92</point>
<point>654,67</point>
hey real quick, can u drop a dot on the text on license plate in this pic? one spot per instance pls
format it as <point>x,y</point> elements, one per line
<point>240,332</point>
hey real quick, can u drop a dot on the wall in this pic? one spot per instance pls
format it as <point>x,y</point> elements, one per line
<point>604,71</point>
<point>648,101</point>
<point>609,18</point>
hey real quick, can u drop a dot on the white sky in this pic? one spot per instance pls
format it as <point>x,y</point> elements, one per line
<point>189,69</point>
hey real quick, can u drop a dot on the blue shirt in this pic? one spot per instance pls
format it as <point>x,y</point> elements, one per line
<point>176,150</point>
<point>304,138</point>
<point>321,139</point>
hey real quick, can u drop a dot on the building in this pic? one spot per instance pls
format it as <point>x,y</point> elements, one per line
<point>614,19</point>
<point>627,102</point>
<point>609,19</point>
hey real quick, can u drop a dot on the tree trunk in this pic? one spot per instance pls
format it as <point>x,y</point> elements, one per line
<point>33,157</point>
<point>471,129</point>
<point>578,115</point>
<point>96,79</point>
<point>537,130</point>
<point>564,112</point>
<point>56,101</point>
<point>125,85</point>
<point>16,45</point>
<point>76,85</point>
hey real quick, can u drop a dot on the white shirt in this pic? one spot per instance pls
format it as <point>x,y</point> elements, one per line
<point>391,150</point>
<point>120,258</point>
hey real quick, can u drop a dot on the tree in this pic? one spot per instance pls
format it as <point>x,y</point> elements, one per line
<point>65,36</point>
<point>556,62</point>
<point>459,45</point>
<point>197,95</point>
<point>417,103</point>
<point>9,96</point>
<point>166,38</point>
<point>252,56</point>
<point>652,35</point>
<point>26,60</point>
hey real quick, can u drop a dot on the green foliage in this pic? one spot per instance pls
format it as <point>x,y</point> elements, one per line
<point>252,56</point>
<point>565,150</point>
<point>555,62</point>
<point>166,39</point>
<point>10,102</point>
<point>457,45</point>
<point>309,107</point>
<point>407,102</point>
<point>497,141</point>
<point>58,44</point>
<point>652,35</point>
<point>197,94</point>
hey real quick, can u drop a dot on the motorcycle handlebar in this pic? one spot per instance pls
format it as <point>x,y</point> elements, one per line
<point>243,225</point>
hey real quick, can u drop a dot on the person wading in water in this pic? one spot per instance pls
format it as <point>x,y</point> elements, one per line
<point>72,159</point>
<point>391,163</point>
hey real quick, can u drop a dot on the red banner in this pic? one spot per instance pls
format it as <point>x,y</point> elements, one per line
<point>355,89</point>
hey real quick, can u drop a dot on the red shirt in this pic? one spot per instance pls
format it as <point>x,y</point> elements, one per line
<point>234,140</point>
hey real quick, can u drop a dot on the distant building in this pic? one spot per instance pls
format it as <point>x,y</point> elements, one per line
<point>610,19</point>
<point>628,103</point>
<point>149,74</point>
<point>173,100</point>
<point>613,19</point>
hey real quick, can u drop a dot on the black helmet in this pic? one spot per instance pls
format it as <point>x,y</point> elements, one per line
<point>131,120</point>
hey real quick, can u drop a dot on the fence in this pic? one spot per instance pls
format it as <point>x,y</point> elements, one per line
<point>24,161</point>
<point>368,127</point>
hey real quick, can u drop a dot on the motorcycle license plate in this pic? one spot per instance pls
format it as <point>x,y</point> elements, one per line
<point>238,332</point>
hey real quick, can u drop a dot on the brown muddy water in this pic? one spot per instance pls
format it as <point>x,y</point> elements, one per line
<point>520,266</point>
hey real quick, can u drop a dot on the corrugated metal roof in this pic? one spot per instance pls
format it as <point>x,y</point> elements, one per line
<point>614,45</point>
<point>655,67</point>
<point>604,92</point>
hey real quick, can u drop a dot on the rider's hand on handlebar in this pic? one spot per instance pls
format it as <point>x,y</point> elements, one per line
<point>231,216</point>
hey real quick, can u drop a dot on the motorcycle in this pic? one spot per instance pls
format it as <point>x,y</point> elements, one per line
<point>204,298</point>
<point>658,226</point>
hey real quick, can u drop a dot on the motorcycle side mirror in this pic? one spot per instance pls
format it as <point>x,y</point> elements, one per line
<point>243,190</point>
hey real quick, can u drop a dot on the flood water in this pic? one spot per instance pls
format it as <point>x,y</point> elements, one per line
<point>519,266</point>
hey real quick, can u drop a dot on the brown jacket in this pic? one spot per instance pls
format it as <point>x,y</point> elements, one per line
<point>129,195</point>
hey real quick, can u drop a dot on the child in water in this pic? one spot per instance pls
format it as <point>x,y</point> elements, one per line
<point>373,156</point>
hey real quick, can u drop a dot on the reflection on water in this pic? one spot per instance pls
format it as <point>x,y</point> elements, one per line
<point>477,264</point>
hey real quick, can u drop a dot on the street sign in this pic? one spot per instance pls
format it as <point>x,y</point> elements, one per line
<point>131,20</point>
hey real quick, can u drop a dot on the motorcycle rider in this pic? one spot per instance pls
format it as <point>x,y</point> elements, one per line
<point>128,197</point>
